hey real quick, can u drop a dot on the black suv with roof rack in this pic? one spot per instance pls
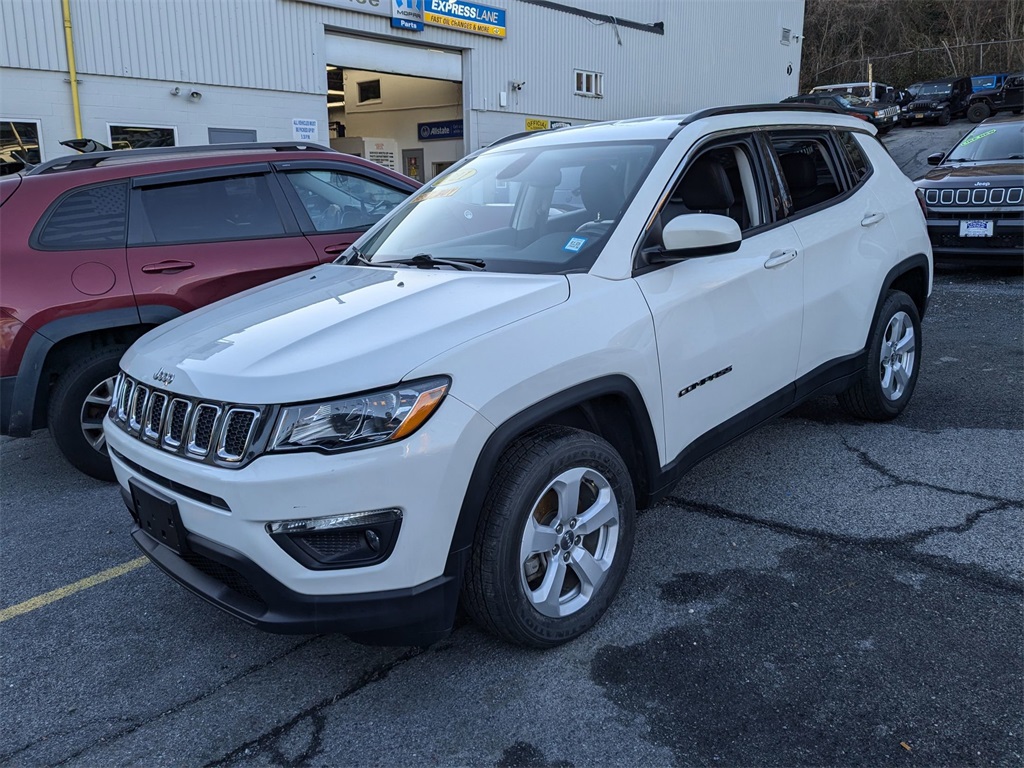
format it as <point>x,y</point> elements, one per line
<point>98,248</point>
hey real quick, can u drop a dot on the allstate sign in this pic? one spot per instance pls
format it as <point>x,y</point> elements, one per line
<point>442,129</point>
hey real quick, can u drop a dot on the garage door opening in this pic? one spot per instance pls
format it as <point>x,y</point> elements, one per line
<point>410,124</point>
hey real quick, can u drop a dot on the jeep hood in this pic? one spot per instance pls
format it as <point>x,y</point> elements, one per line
<point>994,171</point>
<point>332,330</point>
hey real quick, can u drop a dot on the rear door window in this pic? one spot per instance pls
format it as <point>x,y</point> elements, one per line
<point>809,167</point>
<point>231,208</point>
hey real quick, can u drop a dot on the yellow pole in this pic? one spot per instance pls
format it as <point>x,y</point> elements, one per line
<point>70,44</point>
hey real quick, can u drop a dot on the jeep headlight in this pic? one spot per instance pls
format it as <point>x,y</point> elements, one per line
<point>359,421</point>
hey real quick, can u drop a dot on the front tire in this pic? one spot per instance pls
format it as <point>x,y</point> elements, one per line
<point>894,360</point>
<point>77,407</point>
<point>978,112</point>
<point>554,540</point>
<point>944,117</point>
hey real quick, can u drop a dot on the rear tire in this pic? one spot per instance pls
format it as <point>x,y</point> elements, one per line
<point>554,540</point>
<point>77,406</point>
<point>894,359</point>
<point>978,112</point>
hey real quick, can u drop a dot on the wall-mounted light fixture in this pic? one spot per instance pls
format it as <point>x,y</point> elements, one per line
<point>195,95</point>
<point>176,91</point>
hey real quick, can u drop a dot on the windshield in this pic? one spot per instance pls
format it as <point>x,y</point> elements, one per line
<point>991,142</point>
<point>850,100</point>
<point>538,210</point>
<point>935,89</point>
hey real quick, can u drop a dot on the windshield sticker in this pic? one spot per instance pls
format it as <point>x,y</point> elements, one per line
<point>455,177</point>
<point>436,193</point>
<point>574,244</point>
<point>976,137</point>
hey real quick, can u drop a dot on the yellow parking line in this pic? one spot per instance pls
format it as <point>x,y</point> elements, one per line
<point>70,589</point>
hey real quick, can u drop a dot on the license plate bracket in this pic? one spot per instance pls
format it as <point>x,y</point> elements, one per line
<point>976,228</point>
<point>159,517</point>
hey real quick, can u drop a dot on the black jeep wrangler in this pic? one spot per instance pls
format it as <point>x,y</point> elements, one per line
<point>938,101</point>
<point>1008,98</point>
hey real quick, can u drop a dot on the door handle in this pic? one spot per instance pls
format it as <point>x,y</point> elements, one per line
<point>871,218</point>
<point>167,267</point>
<point>334,250</point>
<point>778,258</point>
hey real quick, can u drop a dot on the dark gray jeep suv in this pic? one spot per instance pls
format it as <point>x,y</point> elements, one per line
<point>975,197</point>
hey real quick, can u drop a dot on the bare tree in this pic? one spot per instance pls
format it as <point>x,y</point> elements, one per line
<point>910,40</point>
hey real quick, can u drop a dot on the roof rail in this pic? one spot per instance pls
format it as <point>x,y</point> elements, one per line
<point>92,159</point>
<point>738,109</point>
<point>522,134</point>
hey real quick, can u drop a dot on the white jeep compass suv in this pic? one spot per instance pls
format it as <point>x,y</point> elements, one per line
<point>474,400</point>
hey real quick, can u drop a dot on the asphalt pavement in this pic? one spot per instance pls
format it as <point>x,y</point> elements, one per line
<point>822,592</point>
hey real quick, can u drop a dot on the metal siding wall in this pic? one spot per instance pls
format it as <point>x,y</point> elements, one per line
<point>33,34</point>
<point>712,52</point>
<point>246,43</point>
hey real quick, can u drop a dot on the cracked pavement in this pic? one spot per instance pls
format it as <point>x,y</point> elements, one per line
<point>822,592</point>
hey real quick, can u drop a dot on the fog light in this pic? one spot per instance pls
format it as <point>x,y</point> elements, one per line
<point>373,540</point>
<point>349,540</point>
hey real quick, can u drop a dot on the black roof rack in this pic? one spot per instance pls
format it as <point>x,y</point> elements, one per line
<point>92,159</point>
<point>738,109</point>
<point>524,134</point>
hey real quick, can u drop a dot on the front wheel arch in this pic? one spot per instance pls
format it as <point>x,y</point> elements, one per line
<point>612,399</point>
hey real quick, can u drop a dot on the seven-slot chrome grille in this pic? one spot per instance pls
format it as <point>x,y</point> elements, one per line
<point>213,432</point>
<point>974,196</point>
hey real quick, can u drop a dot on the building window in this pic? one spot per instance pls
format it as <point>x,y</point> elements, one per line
<point>139,137</point>
<point>589,84</point>
<point>369,91</point>
<point>19,144</point>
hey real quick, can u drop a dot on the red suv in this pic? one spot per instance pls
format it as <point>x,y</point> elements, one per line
<point>98,248</point>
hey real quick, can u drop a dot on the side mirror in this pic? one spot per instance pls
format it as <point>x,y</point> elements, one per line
<point>698,234</point>
<point>936,158</point>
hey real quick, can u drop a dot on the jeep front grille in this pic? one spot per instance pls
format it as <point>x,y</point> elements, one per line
<point>210,432</point>
<point>967,196</point>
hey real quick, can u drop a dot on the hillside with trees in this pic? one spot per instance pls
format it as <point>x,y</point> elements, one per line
<point>909,40</point>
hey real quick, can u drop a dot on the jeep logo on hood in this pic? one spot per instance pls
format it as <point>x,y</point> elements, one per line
<point>163,376</point>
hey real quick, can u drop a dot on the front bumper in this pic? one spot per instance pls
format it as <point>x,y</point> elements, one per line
<point>1004,246</point>
<point>885,121</point>
<point>231,561</point>
<point>914,115</point>
<point>235,584</point>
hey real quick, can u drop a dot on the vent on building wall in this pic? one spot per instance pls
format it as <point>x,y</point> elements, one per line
<point>786,35</point>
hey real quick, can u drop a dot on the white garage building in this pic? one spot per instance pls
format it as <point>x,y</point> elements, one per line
<point>413,84</point>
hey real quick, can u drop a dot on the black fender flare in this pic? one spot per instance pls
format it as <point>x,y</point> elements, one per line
<point>536,414</point>
<point>917,261</point>
<point>33,362</point>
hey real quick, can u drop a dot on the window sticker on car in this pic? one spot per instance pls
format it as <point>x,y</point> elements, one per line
<point>435,193</point>
<point>575,244</point>
<point>976,137</point>
<point>455,177</point>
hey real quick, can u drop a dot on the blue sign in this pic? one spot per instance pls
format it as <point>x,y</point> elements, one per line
<point>442,129</point>
<point>407,14</point>
<point>469,17</point>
